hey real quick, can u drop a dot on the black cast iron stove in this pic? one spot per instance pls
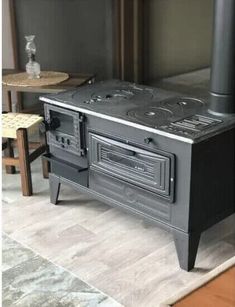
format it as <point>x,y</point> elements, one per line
<point>167,158</point>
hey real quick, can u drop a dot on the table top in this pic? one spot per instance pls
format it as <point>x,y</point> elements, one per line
<point>75,80</point>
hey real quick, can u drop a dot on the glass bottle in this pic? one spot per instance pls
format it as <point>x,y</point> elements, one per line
<point>32,67</point>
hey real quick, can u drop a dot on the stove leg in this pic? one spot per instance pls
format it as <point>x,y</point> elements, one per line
<point>186,246</point>
<point>54,183</point>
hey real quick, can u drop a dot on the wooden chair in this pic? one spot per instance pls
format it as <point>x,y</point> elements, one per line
<point>15,130</point>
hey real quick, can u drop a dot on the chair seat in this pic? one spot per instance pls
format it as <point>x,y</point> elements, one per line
<point>11,122</point>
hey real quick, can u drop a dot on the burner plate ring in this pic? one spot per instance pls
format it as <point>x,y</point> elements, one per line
<point>150,114</point>
<point>182,103</point>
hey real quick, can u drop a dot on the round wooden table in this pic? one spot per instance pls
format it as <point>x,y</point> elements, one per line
<point>74,80</point>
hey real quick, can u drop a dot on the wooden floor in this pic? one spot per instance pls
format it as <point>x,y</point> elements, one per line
<point>121,255</point>
<point>219,292</point>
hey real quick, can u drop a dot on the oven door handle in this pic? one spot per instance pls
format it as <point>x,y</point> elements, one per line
<point>50,158</point>
<point>124,151</point>
<point>47,125</point>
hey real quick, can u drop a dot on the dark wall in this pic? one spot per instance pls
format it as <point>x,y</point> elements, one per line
<point>178,36</point>
<point>71,35</point>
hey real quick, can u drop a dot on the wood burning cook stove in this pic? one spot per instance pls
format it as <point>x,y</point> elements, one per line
<point>167,158</point>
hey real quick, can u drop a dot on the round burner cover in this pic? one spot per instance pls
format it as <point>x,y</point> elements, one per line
<point>182,103</point>
<point>151,114</point>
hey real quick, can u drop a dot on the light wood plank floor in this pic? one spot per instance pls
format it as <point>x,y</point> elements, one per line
<point>117,253</point>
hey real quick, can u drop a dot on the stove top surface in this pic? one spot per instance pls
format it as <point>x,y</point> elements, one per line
<point>157,109</point>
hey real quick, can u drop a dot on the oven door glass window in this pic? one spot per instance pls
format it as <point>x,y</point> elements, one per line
<point>66,122</point>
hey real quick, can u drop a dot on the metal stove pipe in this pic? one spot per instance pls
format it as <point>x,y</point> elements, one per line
<point>222,86</point>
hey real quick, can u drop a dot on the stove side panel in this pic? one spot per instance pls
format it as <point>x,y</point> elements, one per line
<point>213,181</point>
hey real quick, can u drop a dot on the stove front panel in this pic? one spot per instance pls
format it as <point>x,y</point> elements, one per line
<point>152,171</point>
<point>178,153</point>
<point>129,196</point>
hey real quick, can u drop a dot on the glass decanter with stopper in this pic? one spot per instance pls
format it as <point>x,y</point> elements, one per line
<point>32,67</point>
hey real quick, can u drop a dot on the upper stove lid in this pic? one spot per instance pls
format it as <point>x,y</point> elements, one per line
<point>152,109</point>
<point>116,94</point>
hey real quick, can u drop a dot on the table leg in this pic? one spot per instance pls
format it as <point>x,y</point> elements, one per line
<point>24,162</point>
<point>45,163</point>
<point>9,101</point>
<point>9,152</point>
<point>19,101</point>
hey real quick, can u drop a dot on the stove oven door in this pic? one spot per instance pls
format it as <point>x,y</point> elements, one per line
<point>65,129</point>
<point>144,172</point>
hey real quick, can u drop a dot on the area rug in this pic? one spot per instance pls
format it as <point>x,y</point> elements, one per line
<point>200,283</point>
<point>28,280</point>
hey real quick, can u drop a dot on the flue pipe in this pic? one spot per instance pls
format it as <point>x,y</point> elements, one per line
<point>222,86</point>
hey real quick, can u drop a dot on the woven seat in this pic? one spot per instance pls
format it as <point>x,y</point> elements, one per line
<point>18,126</point>
<point>11,122</point>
